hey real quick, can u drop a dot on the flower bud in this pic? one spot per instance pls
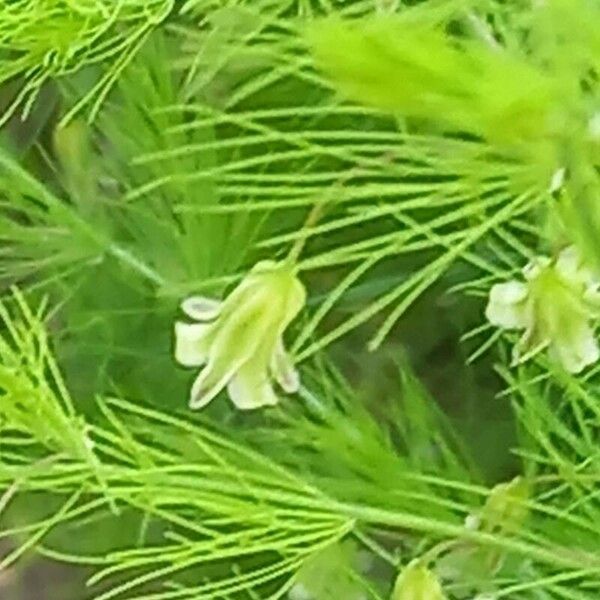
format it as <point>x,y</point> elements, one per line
<point>506,507</point>
<point>417,582</point>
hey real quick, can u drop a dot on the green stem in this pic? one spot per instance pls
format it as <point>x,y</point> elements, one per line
<point>313,216</point>
<point>561,556</point>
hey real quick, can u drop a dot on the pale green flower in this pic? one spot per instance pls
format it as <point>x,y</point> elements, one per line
<point>417,582</point>
<point>506,507</point>
<point>555,305</point>
<point>239,342</point>
<point>473,564</point>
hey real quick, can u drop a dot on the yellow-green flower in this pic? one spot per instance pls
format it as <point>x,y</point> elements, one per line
<point>506,507</point>
<point>239,342</point>
<point>555,305</point>
<point>417,582</point>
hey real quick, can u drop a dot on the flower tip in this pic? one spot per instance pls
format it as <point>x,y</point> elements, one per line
<point>292,384</point>
<point>250,390</point>
<point>201,308</point>
<point>506,305</point>
<point>196,402</point>
<point>289,380</point>
<point>270,403</point>
<point>191,343</point>
<point>577,352</point>
<point>557,180</point>
<point>204,390</point>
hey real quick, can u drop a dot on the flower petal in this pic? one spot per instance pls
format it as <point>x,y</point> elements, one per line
<point>283,369</point>
<point>192,343</point>
<point>201,308</point>
<point>507,306</point>
<point>534,268</point>
<point>510,292</point>
<point>250,387</point>
<point>570,266</point>
<point>234,343</point>
<point>209,383</point>
<point>557,180</point>
<point>568,262</point>
<point>576,352</point>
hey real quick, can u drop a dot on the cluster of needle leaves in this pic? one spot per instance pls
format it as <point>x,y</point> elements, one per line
<point>151,150</point>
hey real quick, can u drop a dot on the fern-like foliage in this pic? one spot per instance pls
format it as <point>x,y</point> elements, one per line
<point>397,151</point>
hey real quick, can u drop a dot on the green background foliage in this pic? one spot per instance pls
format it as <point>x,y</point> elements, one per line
<point>152,150</point>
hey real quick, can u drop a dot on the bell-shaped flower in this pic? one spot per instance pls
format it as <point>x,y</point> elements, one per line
<point>239,342</point>
<point>417,582</point>
<point>555,306</point>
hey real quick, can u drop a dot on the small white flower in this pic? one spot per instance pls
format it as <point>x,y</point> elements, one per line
<point>555,306</point>
<point>240,341</point>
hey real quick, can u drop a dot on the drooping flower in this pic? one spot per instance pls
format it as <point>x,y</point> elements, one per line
<point>417,582</point>
<point>239,342</point>
<point>555,305</point>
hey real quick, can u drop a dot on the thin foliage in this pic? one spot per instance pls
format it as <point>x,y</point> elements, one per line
<point>410,158</point>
